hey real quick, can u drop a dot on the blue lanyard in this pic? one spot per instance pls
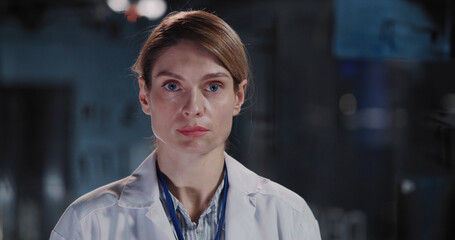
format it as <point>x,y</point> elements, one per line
<point>170,205</point>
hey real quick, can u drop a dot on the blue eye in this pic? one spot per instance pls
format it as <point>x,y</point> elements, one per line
<point>171,86</point>
<point>214,87</point>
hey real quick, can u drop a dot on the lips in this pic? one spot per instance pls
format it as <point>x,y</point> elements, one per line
<point>193,131</point>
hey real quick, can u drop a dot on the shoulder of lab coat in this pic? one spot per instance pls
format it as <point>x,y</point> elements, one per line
<point>257,207</point>
<point>261,207</point>
<point>69,226</point>
<point>139,190</point>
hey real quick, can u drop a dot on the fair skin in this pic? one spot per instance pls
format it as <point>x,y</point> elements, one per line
<point>191,103</point>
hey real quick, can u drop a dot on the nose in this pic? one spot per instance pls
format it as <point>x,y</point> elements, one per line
<point>194,105</point>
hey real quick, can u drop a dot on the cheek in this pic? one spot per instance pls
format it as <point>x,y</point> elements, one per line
<point>161,112</point>
<point>223,112</point>
<point>160,105</point>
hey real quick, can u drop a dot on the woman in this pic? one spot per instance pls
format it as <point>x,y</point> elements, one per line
<point>192,76</point>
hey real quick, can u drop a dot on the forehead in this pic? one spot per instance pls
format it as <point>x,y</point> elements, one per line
<point>187,55</point>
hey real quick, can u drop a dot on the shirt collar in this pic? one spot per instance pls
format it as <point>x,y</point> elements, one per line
<point>212,204</point>
<point>212,208</point>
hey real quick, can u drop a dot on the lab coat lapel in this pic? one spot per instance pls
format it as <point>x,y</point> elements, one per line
<point>142,191</point>
<point>241,201</point>
<point>157,215</point>
<point>240,221</point>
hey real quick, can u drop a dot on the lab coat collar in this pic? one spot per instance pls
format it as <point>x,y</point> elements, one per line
<point>240,211</point>
<point>142,191</point>
<point>241,178</point>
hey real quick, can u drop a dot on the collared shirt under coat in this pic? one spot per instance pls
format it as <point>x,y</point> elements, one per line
<point>207,225</point>
<point>130,209</point>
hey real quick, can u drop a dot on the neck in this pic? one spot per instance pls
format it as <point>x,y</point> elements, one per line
<point>192,178</point>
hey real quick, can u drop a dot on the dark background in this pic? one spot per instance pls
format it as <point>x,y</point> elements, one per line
<point>353,108</point>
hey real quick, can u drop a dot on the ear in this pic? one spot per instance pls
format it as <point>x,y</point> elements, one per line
<point>144,96</point>
<point>240,97</point>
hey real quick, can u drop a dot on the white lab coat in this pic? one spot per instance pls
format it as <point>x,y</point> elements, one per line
<point>130,209</point>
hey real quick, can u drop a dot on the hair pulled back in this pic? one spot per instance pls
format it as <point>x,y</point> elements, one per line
<point>203,28</point>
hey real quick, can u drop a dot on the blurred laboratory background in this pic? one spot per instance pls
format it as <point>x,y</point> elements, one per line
<point>353,107</point>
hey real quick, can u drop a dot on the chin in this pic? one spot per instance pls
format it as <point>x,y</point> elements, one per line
<point>196,145</point>
<point>201,147</point>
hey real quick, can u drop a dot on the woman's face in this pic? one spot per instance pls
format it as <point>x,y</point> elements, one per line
<point>191,100</point>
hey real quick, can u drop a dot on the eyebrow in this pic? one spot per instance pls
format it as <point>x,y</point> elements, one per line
<point>215,75</point>
<point>167,74</point>
<point>207,76</point>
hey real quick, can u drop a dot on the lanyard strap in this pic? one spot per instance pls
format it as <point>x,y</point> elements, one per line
<point>170,205</point>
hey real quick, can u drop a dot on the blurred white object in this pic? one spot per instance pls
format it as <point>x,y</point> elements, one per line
<point>407,186</point>
<point>118,5</point>
<point>151,9</point>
